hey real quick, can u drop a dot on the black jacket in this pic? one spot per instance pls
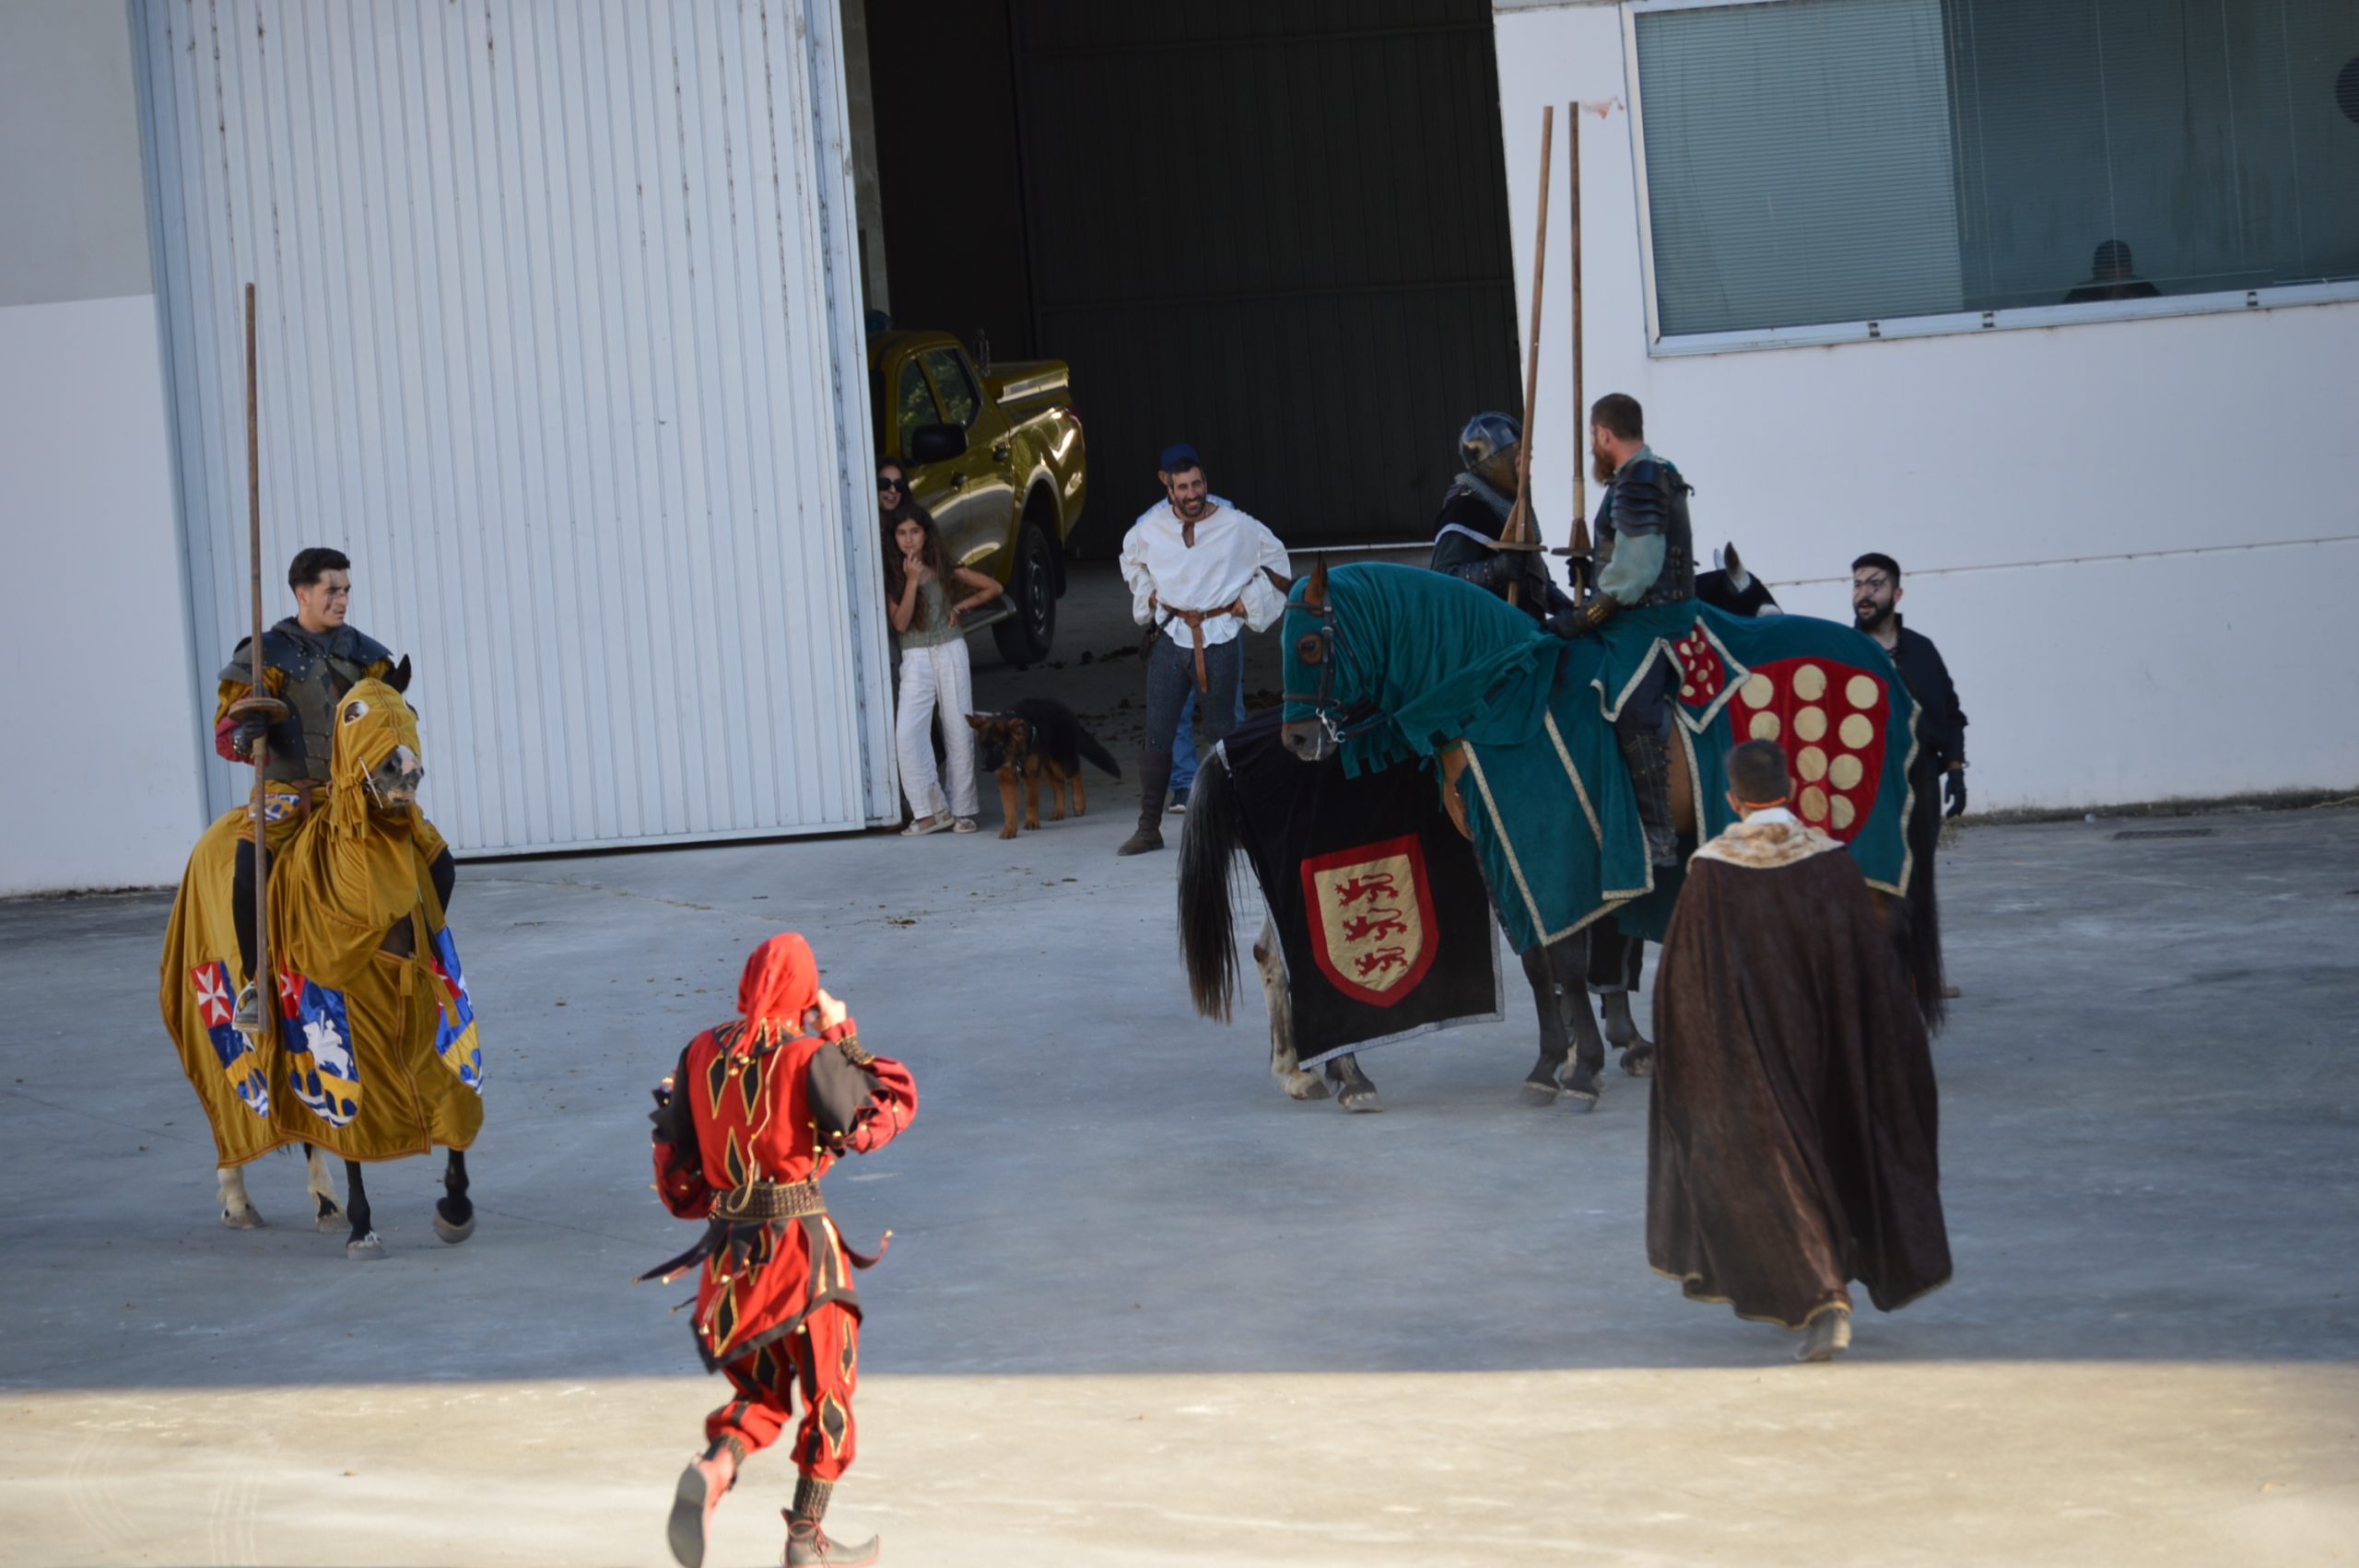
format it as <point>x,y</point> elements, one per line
<point>1940,722</point>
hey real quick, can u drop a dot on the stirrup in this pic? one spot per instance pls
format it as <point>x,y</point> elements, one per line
<point>247,1020</point>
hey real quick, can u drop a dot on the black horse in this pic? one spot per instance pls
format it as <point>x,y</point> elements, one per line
<point>1562,975</point>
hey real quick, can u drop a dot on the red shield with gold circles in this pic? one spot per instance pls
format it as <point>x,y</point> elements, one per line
<point>1371,917</point>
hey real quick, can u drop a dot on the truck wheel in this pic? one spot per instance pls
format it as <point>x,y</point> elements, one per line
<point>1024,638</point>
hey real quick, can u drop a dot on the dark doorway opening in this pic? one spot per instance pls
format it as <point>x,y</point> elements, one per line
<point>1278,232</point>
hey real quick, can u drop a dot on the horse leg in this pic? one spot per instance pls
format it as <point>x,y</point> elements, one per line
<point>1568,962</point>
<point>454,1216</point>
<point>363,1245</point>
<point>1616,964</point>
<point>329,1213</point>
<point>238,1211</point>
<point>1285,1063</point>
<point>1622,1033</point>
<point>1354,1091</point>
<point>1540,1086</point>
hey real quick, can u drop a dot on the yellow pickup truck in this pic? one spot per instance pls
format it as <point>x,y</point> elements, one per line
<point>996,455</point>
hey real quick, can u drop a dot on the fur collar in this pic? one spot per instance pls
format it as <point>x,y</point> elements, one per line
<point>1765,846</point>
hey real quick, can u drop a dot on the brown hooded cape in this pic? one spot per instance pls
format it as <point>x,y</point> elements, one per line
<point>1791,1146</point>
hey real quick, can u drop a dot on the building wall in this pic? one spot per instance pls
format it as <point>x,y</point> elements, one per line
<point>102,791</point>
<point>2134,541</point>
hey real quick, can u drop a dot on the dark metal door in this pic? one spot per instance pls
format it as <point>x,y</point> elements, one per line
<point>1279,232</point>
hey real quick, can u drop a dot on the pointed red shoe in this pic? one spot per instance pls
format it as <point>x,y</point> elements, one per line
<point>702,1486</point>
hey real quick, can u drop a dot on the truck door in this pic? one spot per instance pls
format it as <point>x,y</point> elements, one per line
<point>980,485</point>
<point>912,409</point>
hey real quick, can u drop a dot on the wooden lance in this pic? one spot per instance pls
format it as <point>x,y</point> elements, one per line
<point>1519,533</point>
<point>1578,550</point>
<point>258,702</point>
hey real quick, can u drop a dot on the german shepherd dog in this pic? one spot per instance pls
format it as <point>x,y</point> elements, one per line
<point>1042,737</point>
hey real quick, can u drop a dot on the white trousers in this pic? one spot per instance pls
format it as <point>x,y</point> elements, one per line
<point>936,678</point>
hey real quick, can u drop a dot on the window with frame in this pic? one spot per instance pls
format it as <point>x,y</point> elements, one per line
<point>1812,166</point>
<point>960,405</point>
<point>913,404</point>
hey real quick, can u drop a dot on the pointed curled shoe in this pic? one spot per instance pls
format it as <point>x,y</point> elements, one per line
<point>702,1485</point>
<point>806,1543</point>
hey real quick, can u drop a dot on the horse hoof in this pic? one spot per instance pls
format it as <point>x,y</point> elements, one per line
<point>1535,1094</point>
<point>1638,1061</point>
<point>246,1219</point>
<point>368,1249</point>
<point>333,1219</point>
<point>1305,1086</point>
<point>450,1232</point>
<point>1361,1103</point>
<point>1582,1100</point>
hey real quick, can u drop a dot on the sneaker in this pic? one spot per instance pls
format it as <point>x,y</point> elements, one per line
<point>1178,807</point>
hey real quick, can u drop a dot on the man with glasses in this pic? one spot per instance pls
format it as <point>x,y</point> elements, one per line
<point>1940,722</point>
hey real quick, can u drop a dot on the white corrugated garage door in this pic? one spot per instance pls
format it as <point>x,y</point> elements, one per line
<point>561,344</point>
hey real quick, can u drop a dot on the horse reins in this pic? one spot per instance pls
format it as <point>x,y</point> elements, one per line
<point>1322,649</point>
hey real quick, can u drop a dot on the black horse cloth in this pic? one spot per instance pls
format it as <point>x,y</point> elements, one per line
<point>1379,903</point>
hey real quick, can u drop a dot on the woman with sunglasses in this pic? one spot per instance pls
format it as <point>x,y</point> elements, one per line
<point>935,679</point>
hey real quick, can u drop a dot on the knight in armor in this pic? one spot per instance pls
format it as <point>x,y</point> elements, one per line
<point>309,661</point>
<point>1644,556</point>
<point>1467,535</point>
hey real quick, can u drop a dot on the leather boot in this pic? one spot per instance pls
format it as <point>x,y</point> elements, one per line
<point>1155,782</point>
<point>698,1494</point>
<point>807,1543</point>
<point>1647,753</point>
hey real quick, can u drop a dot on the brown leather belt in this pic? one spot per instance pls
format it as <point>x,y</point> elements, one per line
<point>770,1201</point>
<point>1196,619</point>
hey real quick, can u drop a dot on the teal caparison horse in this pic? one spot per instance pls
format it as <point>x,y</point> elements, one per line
<point>1390,663</point>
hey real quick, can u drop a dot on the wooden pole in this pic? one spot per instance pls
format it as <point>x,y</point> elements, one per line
<point>265,982</point>
<point>1518,528</point>
<point>1579,551</point>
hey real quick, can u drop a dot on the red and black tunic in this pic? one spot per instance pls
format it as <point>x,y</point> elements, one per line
<point>746,1125</point>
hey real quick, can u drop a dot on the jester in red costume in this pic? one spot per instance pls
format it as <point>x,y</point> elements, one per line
<point>756,1112</point>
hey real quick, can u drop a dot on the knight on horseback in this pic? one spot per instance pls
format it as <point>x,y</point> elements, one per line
<point>1468,542</point>
<point>372,1052</point>
<point>1644,557</point>
<point>310,660</point>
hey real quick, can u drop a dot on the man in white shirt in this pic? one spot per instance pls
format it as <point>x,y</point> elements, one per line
<point>1202,572</point>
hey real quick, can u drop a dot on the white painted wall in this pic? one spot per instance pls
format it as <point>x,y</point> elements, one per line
<point>102,789</point>
<point>1991,466</point>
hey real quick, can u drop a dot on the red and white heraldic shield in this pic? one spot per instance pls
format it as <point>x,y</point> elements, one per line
<point>1371,917</point>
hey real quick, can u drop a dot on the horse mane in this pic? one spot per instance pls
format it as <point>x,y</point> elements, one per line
<point>1210,841</point>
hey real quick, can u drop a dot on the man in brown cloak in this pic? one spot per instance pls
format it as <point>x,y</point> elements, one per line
<point>1790,1148</point>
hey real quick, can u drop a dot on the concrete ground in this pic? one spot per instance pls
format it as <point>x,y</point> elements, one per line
<point>1141,1310</point>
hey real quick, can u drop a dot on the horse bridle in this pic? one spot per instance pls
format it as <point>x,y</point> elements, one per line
<point>1320,649</point>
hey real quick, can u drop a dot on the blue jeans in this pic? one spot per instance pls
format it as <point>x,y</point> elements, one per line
<point>1183,745</point>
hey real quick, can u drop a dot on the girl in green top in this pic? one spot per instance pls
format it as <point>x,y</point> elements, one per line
<point>919,580</point>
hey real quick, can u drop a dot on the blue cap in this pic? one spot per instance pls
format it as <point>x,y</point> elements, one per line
<point>1177,456</point>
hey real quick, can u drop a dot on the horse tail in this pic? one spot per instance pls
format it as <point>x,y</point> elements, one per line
<point>1209,843</point>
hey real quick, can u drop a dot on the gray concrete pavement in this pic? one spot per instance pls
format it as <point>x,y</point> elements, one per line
<point>1143,1310</point>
